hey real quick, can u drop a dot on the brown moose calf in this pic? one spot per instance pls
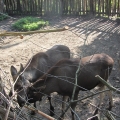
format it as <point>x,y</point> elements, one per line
<point>34,69</point>
<point>61,77</point>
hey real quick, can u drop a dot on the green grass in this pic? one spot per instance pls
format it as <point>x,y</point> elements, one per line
<point>2,17</point>
<point>29,24</point>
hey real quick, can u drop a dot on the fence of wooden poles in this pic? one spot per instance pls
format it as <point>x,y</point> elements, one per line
<point>62,7</point>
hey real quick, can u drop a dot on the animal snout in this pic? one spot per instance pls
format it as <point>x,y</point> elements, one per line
<point>21,101</point>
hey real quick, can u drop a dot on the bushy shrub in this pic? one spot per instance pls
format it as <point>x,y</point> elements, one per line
<point>29,23</point>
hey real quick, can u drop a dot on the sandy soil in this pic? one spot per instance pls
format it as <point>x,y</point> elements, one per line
<point>86,36</point>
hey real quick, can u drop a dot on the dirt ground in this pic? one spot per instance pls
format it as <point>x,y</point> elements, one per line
<point>86,36</point>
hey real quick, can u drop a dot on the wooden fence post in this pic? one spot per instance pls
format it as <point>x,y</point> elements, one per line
<point>2,6</point>
<point>91,7</point>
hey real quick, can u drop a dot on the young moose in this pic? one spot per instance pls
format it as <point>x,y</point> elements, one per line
<point>35,68</point>
<point>61,77</point>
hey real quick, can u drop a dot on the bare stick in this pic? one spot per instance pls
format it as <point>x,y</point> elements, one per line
<point>32,32</point>
<point>41,113</point>
<point>76,76</point>
<point>93,117</point>
<point>108,85</point>
<point>90,95</point>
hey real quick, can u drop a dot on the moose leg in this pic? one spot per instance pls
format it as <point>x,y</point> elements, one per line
<point>109,93</point>
<point>101,99</point>
<point>51,107</point>
<point>65,99</point>
<point>73,105</point>
<point>33,112</point>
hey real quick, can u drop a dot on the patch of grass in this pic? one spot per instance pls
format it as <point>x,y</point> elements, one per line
<point>29,24</point>
<point>2,17</point>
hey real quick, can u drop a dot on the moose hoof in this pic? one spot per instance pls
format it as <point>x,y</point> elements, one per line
<point>94,118</point>
<point>32,112</point>
<point>52,111</point>
<point>96,112</point>
<point>109,108</point>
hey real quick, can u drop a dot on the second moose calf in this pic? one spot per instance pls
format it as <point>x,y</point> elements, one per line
<point>35,68</point>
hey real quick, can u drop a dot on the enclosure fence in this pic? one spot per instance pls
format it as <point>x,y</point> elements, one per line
<point>63,7</point>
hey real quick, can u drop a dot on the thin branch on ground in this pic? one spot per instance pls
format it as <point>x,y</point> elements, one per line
<point>92,117</point>
<point>32,32</point>
<point>41,113</point>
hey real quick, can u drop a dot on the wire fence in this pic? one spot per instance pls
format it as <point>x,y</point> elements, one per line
<point>83,38</point>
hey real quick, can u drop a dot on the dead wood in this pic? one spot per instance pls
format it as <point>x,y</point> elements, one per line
<point>32,32</point>
<point>41,113</point>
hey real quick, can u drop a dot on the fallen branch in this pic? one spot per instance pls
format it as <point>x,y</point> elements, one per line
<point>32,32</point>
<point>41,113</point>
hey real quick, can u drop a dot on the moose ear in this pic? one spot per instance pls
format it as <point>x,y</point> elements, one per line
<point>13,70</point>
<point>21,67</point>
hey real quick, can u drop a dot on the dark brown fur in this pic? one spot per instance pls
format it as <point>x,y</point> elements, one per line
<point>58,78</point>
<point>35,68</point>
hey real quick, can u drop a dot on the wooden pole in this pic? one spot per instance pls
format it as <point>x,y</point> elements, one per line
<point>32,32</point>
<point>41,113</point>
